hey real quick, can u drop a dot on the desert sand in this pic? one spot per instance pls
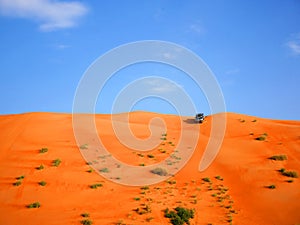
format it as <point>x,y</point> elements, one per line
<point>237,191</point>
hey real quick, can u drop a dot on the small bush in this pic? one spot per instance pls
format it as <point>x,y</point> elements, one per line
<point>104,170</point>
<point>148,219</point>
<point>85,215</point>
<point>120,222</point>
<point>143,210</point>
<point>272,186</point>
<point>95,186</point>
<point>84,146</point>
<point>20,177</point>
<point>290,181</point>
<point>229,219</point>
<point>40,167</point>
<point>150,156</point>
<point>56,162</point>
<point>162,151</point>
<point>90,170</point>
<point>171,181</point>
<point>145,188</point>
<point>140,155</point>
<point>293,174</point>
<point>137,198</point>
<point>86,222</point>
<point>180,216</point>
<point>262,137</point>
<point>281,170</point>
<point>142,164</point>
<point>278,157</point>
<point>34,205</point>
<point>43,150</point>
<point>253,121</point>
<point>17,183</point>
<point>19,180</point>
<point>219,177</point>
<point>42,183</point>
<point>163,138</point>
<point>160,171</point>
<point>206,179</point>
<point>242,120</point>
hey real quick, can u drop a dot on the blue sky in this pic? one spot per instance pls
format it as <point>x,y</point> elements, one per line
<point>252,47</point>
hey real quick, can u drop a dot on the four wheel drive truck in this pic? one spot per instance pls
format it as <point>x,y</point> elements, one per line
<point>199,118</point>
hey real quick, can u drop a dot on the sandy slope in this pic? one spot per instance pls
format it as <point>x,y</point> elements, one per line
<point>242,162</point>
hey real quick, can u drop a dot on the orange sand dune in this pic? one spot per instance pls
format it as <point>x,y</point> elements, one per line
<point>239,196</point>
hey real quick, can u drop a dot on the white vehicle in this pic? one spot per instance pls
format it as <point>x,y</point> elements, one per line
<point>199,118</point>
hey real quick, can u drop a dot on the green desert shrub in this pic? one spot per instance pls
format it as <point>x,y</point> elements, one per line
<point>86,222</point>
<point>171,181</point>
<point>262,137</point>
<point>219,177</point>
<point>85,215</point>
<point>278,157</point>
<point>95,186</point>
<point>206,179</point>
<point>162,151</point>
<point>148,219</point>
<point>20,177</point>
<point>40,167</point>
<point>34,205</point>
<point>42,183</point>
<point>180,215</point>
<point>272,186</point>
<point>120,222</point>
<point>56,162</point>
<point>150,156</point>
<point>160,171</point>
<point>90,170</point>
<point>104,170</point>
<point>17,183</point>
<point>43,150</point>
<point>19,180</point>
<point>84,146</point>
<point>293,174</point>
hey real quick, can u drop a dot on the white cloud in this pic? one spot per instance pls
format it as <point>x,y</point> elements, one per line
<point>51,15</point>
<point>232,71</point>
<point>62,46</point>
<point>197,28</point>
<point>294,47</point>
<point>294,44</point>
<point>159,85</point>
